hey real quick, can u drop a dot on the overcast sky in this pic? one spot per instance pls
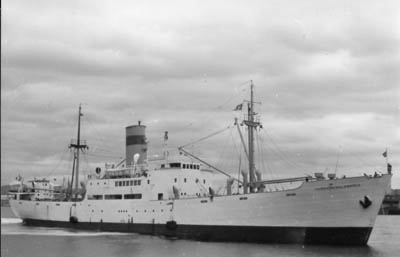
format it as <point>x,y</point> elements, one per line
<point>326,72</point>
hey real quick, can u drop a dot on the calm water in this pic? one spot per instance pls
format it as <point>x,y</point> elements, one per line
<point>18,240</point>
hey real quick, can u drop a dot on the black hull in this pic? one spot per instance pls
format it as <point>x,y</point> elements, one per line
<point>298,235</point>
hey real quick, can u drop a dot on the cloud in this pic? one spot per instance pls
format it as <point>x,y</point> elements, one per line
<point>326,74</point>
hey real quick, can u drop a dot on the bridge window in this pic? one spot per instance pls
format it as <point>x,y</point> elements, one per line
<point>175,165</point>
<point>112,197</point>
<point>95,197</point>
<point>131,183</point>
<point>133,196</point>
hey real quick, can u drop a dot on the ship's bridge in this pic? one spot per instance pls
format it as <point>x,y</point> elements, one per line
<point>181,165</point>
<point>170,180</point>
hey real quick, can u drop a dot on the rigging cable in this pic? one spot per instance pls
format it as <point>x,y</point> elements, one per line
<point>86,160</point>
<point>271,172</point>
<point>239,153</point>
<point>96,131</point>
<point>219,163</point>
<point>103,155</point>
<point>261,154</point>
<point>236,148</point>
<point>281,155</point>
<point>234,143</point>
<point>235,95</point>
<point>360,159</point>
<point>204,138</point>
<point>58,164</point>
<point>237,90</point>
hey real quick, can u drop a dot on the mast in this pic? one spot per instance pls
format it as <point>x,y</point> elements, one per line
<point>72,178</point>
<point>251,124</point>
<point>77,145</point>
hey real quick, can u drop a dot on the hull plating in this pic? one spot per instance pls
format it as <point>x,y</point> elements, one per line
<point>299,235</point>
<point>321,212</point>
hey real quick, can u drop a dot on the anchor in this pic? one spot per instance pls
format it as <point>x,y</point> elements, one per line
<point>366,203</point>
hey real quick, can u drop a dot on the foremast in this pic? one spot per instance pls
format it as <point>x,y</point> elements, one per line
<point>252,124</point>
<point>77,145</point>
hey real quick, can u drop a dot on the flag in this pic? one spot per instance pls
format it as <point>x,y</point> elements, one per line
<point>166,136</point>
<point>239,107</point>
<point>385,154</point>
<point>389,168</point>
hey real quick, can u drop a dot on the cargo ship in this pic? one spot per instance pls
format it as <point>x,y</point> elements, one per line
<point>176,199</point>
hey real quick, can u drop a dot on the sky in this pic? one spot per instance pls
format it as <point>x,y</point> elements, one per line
<point>325,74</point>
